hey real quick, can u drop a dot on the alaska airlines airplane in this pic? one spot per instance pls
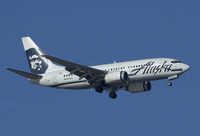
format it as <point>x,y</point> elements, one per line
<point>132,76</point>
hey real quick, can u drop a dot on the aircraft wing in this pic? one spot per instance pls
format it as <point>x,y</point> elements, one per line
<point>79,70</point>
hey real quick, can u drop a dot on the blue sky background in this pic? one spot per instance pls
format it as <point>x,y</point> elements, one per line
<point>92,33</point>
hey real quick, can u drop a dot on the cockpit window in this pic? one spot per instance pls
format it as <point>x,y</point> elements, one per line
<point>176,61</point>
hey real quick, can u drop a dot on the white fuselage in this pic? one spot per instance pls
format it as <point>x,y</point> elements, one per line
<point>138,71</point>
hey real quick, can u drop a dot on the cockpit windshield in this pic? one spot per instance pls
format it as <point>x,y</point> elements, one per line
<point>175,61</point>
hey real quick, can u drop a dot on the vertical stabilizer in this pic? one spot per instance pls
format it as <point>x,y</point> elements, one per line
<point>37,63</point>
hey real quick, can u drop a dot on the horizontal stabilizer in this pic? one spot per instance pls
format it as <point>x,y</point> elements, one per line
<point>25,74</point>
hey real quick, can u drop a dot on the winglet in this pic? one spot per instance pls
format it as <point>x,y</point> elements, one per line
<point>25,74</point>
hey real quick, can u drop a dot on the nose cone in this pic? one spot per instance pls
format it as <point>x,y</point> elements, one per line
<point>185,67</point>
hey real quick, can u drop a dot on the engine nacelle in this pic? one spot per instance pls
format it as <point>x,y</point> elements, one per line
<point>116,77</point>
<point>139,87</point>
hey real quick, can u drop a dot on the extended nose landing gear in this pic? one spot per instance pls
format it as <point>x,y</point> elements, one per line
<point>169,83</point>
<point>112,95</point>
<point>172,78</point>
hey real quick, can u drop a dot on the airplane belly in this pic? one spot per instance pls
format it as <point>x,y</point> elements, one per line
<point>74,85</point>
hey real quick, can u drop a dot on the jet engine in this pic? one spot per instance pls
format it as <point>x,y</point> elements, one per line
<point>116,77</point>
<point>139,87</point>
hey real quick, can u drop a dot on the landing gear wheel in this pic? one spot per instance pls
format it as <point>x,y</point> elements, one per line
<point>169,83</point>
<point>99,89</point>
<point>113,95</point>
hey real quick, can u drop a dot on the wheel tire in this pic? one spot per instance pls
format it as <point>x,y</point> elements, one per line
<point>113,95</point>
<point>99,89</point>
<point>169,83</point>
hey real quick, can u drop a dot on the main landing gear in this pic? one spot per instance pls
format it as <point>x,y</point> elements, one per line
<point>112,95</point>
<point>99,89</point>
<point>169,83</point>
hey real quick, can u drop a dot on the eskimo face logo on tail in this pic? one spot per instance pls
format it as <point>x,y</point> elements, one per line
<point>36,62</point>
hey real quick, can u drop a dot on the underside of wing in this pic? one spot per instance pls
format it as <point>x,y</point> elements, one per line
<point>89,73</point>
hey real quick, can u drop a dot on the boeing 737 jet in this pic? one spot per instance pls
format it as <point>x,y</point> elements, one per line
<point>132,76</point>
